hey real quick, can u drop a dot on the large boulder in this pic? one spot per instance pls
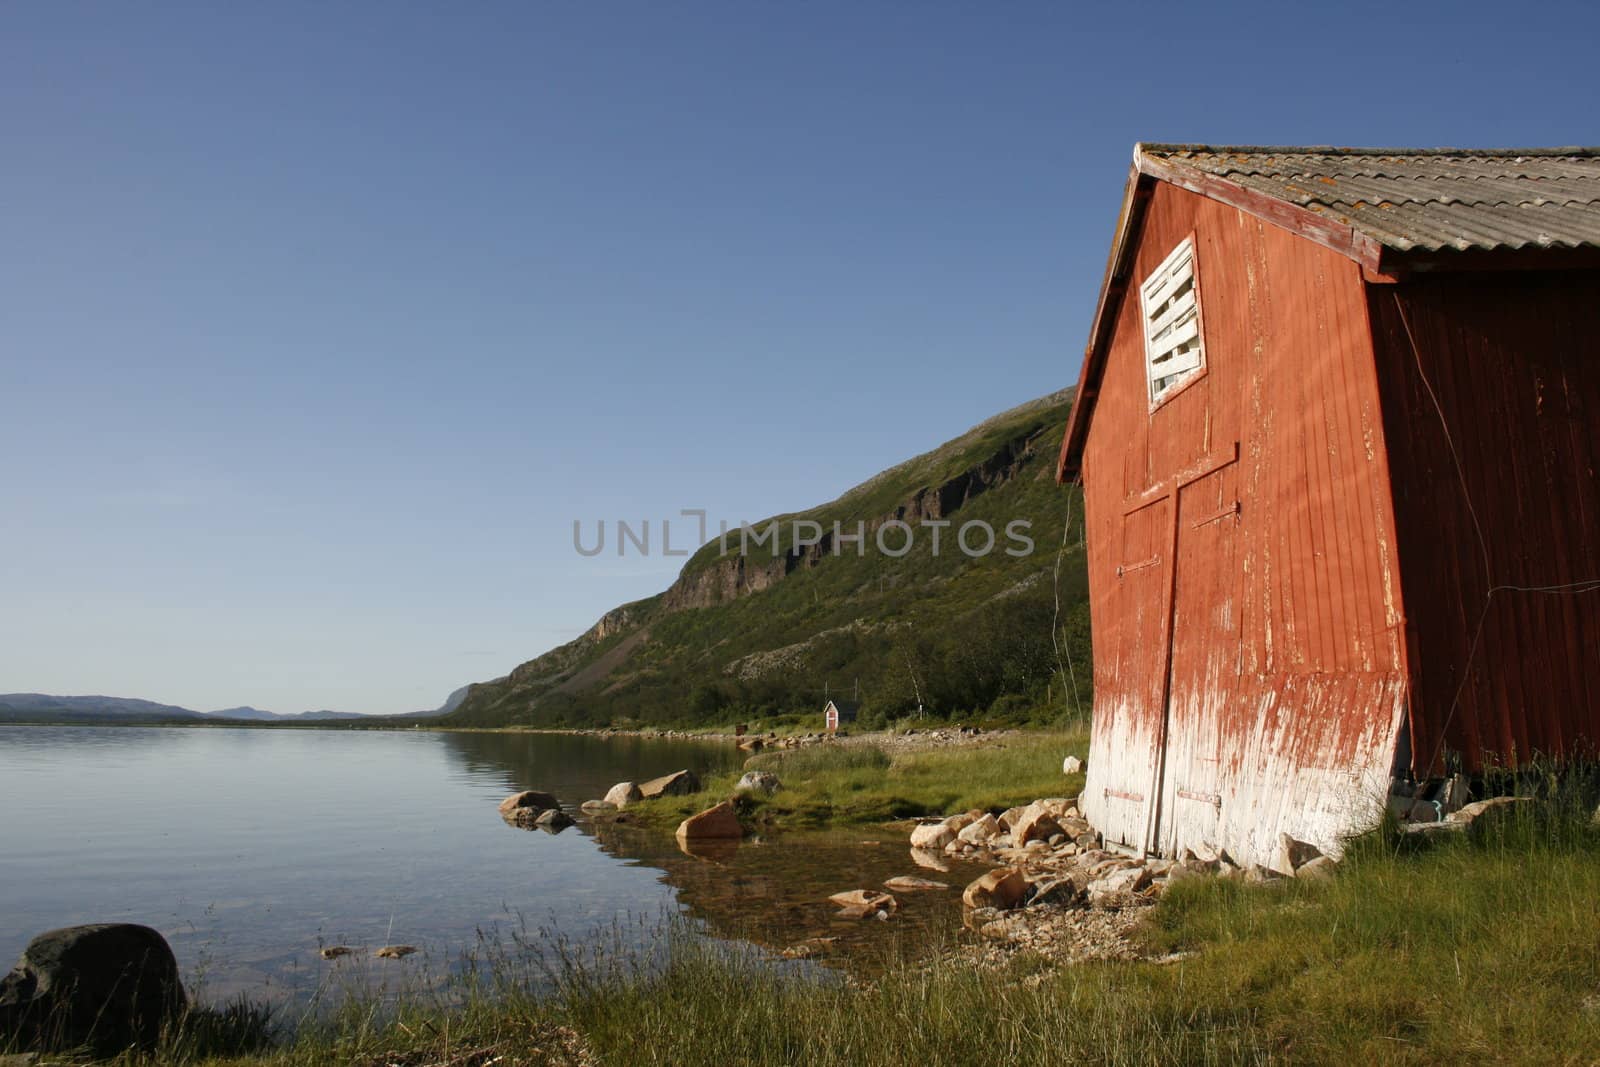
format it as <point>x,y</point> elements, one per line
<point>979,831</point>
<point>105,987</point>
<point>1002,888</point>
<point>622,794</point>
<point>940,834</point>
<point>1117,886</point>
<point>764,782</point>
<point>718,823</point>
<point>1294,854</point>
<point>554,820</point>
<point>1036,823</point>
<point>676,784</point>
<point>527,800</point>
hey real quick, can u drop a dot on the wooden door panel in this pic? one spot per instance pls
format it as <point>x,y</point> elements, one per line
<point>1205,660</point>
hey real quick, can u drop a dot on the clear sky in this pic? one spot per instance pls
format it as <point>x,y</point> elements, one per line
<point>321,323</point>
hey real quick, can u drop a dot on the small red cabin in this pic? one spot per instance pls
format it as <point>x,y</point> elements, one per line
<point>839,712</point>
<point>1338,429</point>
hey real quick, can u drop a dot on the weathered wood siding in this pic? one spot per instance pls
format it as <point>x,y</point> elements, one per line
<point>1506,367</point>
<point>1249,655</point>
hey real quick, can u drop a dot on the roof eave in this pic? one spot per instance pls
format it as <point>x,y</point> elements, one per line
<point>1130,219</point>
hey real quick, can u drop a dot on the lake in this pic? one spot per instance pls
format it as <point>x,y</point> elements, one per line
<point>250,849</point>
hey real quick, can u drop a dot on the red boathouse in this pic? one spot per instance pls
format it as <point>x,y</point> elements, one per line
<point>1338,429</point>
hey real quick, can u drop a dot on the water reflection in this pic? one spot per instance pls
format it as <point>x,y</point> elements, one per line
<point>775,893</point>
<point>253,849</point>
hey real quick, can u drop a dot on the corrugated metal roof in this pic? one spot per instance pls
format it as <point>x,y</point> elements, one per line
<point>1423,200</point>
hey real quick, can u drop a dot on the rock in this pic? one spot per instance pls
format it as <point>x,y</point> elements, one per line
<point>1116,887</point>
<point>597,807</point>
<point>527,800</point>
<point>1008,818</point>
<point>716,823</point>
<point>395,952</point>
<point>934,835</point>
<point>1318,869</point>
<point>333,952</point>
<point>677,784</point>
<point>1054,891</point>
<point>764,782</point>
<point>622,794</point>
<point>930,859</point>
<point>1256,874</point>
<point>1072,825</point>
<point>979,830</point>
<point>1294,854</point>
<point>870,899</point>
<point>1002,888</point>
<point>1071,765</point>
<point>553,819</point>
<point>811,946</point>
<point>960,822</point>
<point>906,883</point>
<point>1011,929</point>
<point>106,987</point>
<point>1036,823</point>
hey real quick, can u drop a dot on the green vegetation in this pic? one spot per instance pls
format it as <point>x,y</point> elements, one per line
<point>857,784</point>
<point>995,638</point>
<point>1482,948</point>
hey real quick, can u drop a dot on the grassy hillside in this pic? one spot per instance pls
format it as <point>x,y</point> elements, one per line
<point>762,636</point>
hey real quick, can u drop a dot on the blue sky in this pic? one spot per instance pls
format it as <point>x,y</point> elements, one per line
<point>320,324</point>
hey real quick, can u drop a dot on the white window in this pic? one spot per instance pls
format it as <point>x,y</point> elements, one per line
<point>1173,348</point>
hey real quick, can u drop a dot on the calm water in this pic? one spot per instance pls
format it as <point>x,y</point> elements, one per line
<point>250,849</point>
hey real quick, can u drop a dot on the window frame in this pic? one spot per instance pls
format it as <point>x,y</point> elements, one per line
<point>1189,377</point>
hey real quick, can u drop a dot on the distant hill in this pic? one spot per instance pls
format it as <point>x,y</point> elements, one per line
<point>44,708</point>
<point>760,634</point>
<point>245,714</point>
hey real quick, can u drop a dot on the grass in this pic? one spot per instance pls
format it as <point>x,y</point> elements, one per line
<point>860,784</point>
<point>1481,948</point>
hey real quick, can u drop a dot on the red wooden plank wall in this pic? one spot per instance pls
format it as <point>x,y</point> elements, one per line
<point>1282,621</point>
<point>1513,362</point>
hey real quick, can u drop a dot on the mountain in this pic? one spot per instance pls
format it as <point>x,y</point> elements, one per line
<point>245,714</point>
<point>763,630</point>
<point>41,707</point>
<point>249,714</point>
